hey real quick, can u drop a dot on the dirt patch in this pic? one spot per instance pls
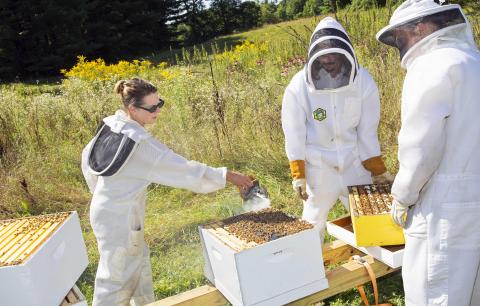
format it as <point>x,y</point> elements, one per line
<point>264,225</point>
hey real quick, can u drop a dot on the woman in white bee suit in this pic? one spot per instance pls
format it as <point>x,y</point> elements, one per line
<point>330,115</point>
<point>118,164</point>
<point>437,189</point>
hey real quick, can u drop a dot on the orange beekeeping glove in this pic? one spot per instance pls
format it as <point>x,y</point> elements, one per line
<point>297,167</point>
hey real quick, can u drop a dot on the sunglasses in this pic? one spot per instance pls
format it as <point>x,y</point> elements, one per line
<point>152,108</point>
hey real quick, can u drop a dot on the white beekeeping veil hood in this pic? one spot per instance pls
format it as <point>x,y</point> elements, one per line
<point>403,34</point>
<point>331,64</point>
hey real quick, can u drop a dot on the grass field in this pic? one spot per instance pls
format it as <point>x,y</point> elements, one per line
<point>223,103</point>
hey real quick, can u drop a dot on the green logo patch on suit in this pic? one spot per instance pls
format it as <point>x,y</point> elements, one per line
<point>319,114</point>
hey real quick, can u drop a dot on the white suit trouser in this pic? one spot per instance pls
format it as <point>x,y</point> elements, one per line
<point>325,185</point>
<point>442,254</point>
<point>124,276</point>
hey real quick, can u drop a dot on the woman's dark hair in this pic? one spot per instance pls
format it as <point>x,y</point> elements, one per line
<point>132,91</point>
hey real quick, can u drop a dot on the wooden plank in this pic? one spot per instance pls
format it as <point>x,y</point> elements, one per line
<point>64,303</point>
<point>231,244</point>
<point>71,297</point>
<point>75,293</point>
<point>242,244</point>
<point>347,276</point>
<point>338,251</point>
<point>344,277</point>
<point>204,295</point>
<point>230,240</point>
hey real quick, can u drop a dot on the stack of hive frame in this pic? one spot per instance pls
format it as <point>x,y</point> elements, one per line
<point>20,238</point>
<point>370,207</point>
<point>41,258</point>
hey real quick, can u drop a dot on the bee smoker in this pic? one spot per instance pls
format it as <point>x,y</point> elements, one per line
<point>255,198</point>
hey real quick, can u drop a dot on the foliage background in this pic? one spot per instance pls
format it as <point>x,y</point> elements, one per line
<point>39,37</point>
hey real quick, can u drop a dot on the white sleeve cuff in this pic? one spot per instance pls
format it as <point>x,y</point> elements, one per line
<point>217,175</point>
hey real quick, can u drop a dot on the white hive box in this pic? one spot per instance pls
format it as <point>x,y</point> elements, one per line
<point>342,229</point>
<point>273,273</point>
<point>41,258</point>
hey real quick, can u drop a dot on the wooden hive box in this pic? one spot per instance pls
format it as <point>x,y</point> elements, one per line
<point>370,207</point>
<point>272,273</point>
<point>41,258</point>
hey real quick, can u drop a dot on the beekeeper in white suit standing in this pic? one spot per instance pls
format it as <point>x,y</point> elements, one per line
<point>330,115</point>
<point>118,164</point>
<point>437,187</point>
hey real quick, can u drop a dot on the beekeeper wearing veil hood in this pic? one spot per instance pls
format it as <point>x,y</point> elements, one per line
<point>330,115</point>
<point>437,189</point>
<point>119,163</point>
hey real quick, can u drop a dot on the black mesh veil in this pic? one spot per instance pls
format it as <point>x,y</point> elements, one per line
<point>331,60</point>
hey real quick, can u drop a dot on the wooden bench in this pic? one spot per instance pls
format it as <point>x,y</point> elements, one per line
<point>343,276</point>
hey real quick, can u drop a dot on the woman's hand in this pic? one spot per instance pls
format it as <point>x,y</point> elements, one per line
<point>242,181</point>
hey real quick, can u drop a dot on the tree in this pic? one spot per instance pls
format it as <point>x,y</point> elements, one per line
<point>281,11</point>
<point>117,29</point>
<point>267,11</point>
<point>226,12</point>
<point>202,28</point>
<point>249,14</point>
<point>193,22</point>
<point>312,8</point>
<point>39,37</point>
<point>294,9</point>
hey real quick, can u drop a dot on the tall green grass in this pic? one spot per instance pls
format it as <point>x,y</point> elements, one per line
<point>221,109</point>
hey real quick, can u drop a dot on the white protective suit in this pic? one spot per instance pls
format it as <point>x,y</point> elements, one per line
<point>439,155</point>
<point>332,130</point>
<point>118,204</point>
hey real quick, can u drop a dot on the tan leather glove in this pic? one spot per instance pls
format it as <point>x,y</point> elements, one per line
<point>379,172</point>
<point>375,165</point>
<point>299,183</point>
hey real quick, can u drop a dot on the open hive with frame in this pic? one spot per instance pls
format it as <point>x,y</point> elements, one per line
<point>263,258</point>
<point>252,229</point>
<point>41,258</point>
<point>370,207</point>
<point>20,238</point>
